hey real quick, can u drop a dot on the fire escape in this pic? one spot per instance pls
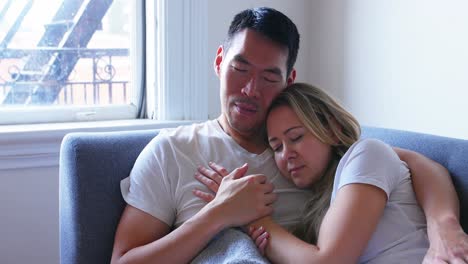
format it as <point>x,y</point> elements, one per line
<point>49,65</point>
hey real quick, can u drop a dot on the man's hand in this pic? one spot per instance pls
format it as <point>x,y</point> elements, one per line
<point>241,198</point>
<point>449,244</point>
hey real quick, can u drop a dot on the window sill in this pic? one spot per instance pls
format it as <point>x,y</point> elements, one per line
<point>38,145</point>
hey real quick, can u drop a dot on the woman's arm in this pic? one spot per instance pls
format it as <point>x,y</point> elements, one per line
<point>436,194</point>
<point>344,234</point>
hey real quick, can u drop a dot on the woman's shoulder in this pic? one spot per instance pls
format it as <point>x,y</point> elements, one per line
<point>370,148</point>
<point>371,145</point>
<point>370,155</point>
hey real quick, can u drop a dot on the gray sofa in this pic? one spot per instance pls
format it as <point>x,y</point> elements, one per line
<point>92,165</point>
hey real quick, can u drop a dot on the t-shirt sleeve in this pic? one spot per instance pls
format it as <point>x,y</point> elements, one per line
<point>148,187</point>
<point>371,162</point>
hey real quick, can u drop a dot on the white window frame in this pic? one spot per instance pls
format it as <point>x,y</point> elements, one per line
<point>182,53</point>
<point>176,75</point>
<point>11,115</point>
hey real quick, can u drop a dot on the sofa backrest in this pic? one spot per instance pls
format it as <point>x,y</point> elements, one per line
<point>92,165</point>
<point>450,152</point>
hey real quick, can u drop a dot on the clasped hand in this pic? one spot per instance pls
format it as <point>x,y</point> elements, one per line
<point>242,198</point>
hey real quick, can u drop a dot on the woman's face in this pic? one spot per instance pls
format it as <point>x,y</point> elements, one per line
<point>299,155</point>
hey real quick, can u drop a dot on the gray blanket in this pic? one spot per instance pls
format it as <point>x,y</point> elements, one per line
<point>230,246</point>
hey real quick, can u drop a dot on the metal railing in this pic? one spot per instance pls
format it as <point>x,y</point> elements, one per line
<point>101,76</point>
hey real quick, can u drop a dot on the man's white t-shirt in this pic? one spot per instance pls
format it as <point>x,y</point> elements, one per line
<point>401,234</point>
<point>162,179</point>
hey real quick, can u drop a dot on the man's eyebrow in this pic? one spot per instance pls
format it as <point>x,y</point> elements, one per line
<point>241,59</point>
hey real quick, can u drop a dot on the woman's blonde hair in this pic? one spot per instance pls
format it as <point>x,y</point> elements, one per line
<point>330,123</point>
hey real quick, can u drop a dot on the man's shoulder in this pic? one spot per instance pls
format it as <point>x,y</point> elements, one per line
<point>187,131</point>
<point>182,134</point>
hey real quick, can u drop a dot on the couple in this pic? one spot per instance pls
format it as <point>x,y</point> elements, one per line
<point>363,208</point>
<point>164,222</point>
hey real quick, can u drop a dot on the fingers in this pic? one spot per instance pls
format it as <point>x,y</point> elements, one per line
<point>256,178</point>
<point>268,187</point>
<point>218,169</point>
<point>213,175</point>
<point>260,237</point>
<point>211,184</point>
<point>255,232</point>
<point>207,197</point>
<point>262,245</point>
<point>240,172</point>
<point>457,261</point>
<point>270,198</point>
<point>265,210</point>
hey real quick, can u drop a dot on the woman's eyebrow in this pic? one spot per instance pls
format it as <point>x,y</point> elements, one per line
<point>291,128</point>
<point>272,139</point>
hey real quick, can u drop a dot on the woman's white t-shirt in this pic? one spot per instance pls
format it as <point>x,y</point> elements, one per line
<point>401,234</point>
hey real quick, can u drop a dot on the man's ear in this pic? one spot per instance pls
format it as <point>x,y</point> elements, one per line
<point>291,77</point>
<point>218,60</point>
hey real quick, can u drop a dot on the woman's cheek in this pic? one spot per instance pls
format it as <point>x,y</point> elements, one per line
<point>281,164</point>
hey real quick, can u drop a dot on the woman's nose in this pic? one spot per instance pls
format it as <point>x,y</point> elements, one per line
<point>289,152</point>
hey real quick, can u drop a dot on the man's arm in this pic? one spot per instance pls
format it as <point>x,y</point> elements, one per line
<point>437,196</point>
<point>142,238</point>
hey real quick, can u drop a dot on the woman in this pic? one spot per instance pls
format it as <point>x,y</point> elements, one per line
<point>363,207</point>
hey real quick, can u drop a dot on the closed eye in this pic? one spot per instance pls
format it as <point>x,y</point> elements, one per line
<point>238,69</point>
<point>297,138</point>
<point>271,80</point>
<point>277,148</point>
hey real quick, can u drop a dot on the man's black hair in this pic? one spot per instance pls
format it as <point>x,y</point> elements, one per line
<point>272,24</point>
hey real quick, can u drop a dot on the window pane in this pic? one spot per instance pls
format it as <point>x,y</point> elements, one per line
<point>65,52</point>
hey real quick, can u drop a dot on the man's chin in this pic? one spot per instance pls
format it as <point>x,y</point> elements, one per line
<point>245,128</point>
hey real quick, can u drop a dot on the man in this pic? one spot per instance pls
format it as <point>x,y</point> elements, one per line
<point>163,222</point>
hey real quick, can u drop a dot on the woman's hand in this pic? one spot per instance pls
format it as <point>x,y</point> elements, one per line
<point>211,178</point>
<point>260,236</point>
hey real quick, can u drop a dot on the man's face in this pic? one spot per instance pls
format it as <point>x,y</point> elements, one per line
<point>251,72</point>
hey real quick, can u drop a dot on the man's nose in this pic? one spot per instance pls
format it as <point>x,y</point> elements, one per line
<point>250,89</point>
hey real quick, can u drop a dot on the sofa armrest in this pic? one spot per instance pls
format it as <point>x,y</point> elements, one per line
<point>91,168</point>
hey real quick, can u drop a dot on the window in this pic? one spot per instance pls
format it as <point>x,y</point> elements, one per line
<point>84,60</point>
<point>69,60</point>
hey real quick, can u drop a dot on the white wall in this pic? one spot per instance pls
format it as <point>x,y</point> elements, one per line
<point>399,64</point>
<point>29,221</point>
